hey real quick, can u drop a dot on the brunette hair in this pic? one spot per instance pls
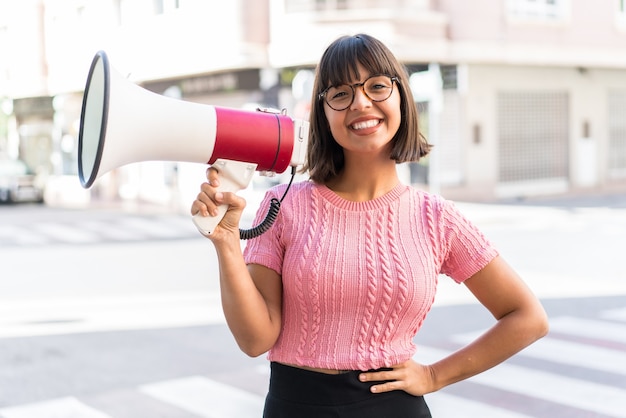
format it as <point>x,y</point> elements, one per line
<point>339,65</point>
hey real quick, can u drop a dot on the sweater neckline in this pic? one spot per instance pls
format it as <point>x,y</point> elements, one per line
<point>381,201</point>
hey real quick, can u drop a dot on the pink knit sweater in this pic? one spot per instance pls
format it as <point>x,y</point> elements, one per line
<point>360,277</point>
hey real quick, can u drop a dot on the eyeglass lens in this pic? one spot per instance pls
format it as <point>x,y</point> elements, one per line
<point>376,88</point>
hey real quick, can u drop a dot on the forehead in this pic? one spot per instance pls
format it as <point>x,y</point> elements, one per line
<point>361,74</point>
<point>352,75</point>
<point>351,60</point>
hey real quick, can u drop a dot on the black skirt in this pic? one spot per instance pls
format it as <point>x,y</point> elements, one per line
<point>298,393</point>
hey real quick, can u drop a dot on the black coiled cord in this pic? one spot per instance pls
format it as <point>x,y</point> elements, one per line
<point>270,218</point>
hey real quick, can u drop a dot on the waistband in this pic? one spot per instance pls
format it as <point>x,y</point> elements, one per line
<point>309,387</point>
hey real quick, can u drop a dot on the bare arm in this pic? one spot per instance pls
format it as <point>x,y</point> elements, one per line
<point>251,295</point>
<point>251,300</point>
<point>520,320</point>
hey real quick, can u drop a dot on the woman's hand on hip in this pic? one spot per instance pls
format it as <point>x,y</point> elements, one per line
<point>414,378</point>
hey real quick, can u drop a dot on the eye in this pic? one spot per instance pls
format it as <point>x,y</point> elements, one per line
<point>338,95</point>
<point>379,83</point>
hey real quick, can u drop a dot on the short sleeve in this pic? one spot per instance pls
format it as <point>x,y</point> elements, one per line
<point>466,248</point>
<point>266,249</point>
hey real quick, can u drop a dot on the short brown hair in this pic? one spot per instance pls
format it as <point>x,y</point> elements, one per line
<point>339,65</point>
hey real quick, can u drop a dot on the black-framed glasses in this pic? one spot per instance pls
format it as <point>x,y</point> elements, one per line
<point>377,88</point>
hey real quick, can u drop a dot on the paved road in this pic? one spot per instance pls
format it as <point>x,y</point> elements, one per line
<point>579,370</point>
<point>119,351</point>
<point>31,225</point>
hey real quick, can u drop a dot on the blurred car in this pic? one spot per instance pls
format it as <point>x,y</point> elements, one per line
<point>18,183</point>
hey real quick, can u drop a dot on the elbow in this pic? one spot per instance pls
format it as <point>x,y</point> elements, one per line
<point>531,323</point>
<point>540,324</point>
<point>252,352</point>
<point>257,341</point>
<point>544,326</point>
<point>253,349</point>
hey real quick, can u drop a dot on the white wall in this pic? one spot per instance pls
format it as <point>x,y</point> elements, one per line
<point>587,90</point>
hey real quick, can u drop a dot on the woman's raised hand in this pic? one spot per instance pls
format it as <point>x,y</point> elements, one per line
<point>208,201</point>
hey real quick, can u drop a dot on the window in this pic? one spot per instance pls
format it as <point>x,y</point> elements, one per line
<point>130,11</point>
<point>621,13</point>
<point>541,10</point>
<point>164,6</point>
<point>315,5</point>
<point>297,6</point>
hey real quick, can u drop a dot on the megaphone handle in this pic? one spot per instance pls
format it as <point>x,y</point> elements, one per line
<point>234,176</point>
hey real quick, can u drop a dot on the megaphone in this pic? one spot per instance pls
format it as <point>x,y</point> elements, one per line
<point>123,123</point>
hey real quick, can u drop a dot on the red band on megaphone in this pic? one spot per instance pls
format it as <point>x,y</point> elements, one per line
<point>266,139</point>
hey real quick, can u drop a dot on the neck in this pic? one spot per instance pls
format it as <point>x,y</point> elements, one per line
<point>363,180</point>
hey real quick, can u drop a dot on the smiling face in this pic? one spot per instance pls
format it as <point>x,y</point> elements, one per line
<point>365,126</point>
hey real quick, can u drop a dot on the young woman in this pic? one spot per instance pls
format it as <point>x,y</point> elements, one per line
<point>337,289</point>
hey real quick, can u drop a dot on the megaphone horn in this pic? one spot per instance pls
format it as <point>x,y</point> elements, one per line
<point>123,123</point>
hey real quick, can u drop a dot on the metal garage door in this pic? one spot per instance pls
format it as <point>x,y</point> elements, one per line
<point>533,132</point>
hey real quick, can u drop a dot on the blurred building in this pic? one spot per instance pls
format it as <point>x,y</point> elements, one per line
<point>528,98</point>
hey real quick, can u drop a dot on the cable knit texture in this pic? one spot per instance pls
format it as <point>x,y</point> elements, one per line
<point>360,277</point>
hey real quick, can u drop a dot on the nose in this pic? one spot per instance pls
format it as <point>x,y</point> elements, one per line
<point>360,98</point>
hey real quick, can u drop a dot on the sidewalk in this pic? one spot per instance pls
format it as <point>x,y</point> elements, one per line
<point>562,247</point>
<point>613,200</point>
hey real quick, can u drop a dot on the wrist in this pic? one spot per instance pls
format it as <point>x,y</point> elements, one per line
<point>225,240</point>
<point>434,383</point>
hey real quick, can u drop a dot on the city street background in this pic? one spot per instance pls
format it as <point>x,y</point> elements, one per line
<point>114,312</point>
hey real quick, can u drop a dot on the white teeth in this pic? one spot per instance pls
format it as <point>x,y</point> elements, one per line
<point>367,124</point>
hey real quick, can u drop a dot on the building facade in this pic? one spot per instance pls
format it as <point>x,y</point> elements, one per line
<point>532,92</point>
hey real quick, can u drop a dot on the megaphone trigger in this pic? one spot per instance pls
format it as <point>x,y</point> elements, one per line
<point>234,176</point>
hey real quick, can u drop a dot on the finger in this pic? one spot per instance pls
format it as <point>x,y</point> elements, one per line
<point>379,376</point>
<point>204,203</point>
<point>212,176</point>
<point>199,207</point>
<point>231,199</point>
<point>388,386</point>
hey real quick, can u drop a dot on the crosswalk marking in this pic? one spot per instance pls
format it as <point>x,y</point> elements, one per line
<point>570,353</point>
<point>21,318</point>
<point>615,314</point>
<point>150,226</point>
<point>442,405</point>
<point>65,232</point>
<point>200,396</point>
<point>56,408</point>
<point>21,236</point>
<point>575,354</point>
<point>547,386</point>
<point>589,328</point>
<point>105,230</point>
<point>125,229</point>
<point>206,398</point>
